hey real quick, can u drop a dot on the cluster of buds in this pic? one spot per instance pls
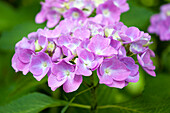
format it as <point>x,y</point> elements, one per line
<point>160,23</point>
<point>108,10</point>
<point>76,48</point>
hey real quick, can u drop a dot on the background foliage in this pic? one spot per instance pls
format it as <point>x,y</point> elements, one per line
<point>23,94</point>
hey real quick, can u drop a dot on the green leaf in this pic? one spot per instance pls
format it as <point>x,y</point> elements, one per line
<point>17,86</point>
<point>35,102</point>
<point>31,103</point>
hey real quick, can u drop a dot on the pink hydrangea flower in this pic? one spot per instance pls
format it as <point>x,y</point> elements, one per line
<point>22,57</point>
<point>87,62</point>
<point>77,48</point>
<point>109,11</point>
<point>52,10</point>
<point>160,23</point>
<point>145,61</point>
<point>113,73</point>
<point>131,34</point>
<point>63,73</point>
<point>74,13</point>
<point>40,65</point>
<point>141,45</point>
<point>134,68</point>
<point>101,46</point>
<point>122,4</point>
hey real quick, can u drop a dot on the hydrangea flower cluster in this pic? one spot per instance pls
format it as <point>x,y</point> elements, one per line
<point>107,10</point>
<point>160,23</point>
<point>76,48</point>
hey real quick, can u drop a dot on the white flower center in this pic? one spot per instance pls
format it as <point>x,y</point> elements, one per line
<point>67,73</point>
<point>99,52</point>
<point>106,12</point>
<point>116,36</point>
<point>44,64</point>
<point>107,71</point>
<point>87,62</point>
<point>75,15</point>
<point>168,13</point>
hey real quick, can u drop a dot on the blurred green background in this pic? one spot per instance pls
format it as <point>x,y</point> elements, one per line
<point>23,94</point>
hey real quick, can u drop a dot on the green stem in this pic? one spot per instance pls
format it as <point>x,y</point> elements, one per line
<point>117,106</point>
<point>80,106</point>
<point>70,102</point>
<point>93,95</point>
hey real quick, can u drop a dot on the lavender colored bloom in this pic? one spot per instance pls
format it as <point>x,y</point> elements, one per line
<point>49,34</point>
<point>79,45</point>
<point>115,43</point>
<point>114,30</point>
<point>66,26</point>
<point>22,57</point>
<point>146,63</point>
<point>51,11</point>
<point>44,40</point>
<point>87,6</point>
<point>141,45</point>
<point>82,33</point>
<point>131,34</point>
<point>122,52</point>
<point>122,4</point>
<point>21,60</point>
<point>95,29</point>
<point>57,54</point>
<point>160,23</point>
<point>63,73</point>
<point>165,30</point>
<point>101,46</point>
<point>86,62</point>
<point>25,44</point>
<point>165,11</point>
<point>113,73</point>
<point>111,13</point>
<point>74,13</point>
<point>78,4</point>
<point>134,68</point>
<point>155,19</point>
<point>69,43</point>
<point>40,65</point>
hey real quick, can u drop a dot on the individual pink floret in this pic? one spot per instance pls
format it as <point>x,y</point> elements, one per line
<point>113,73</point>
<point>63,73</point>
<point>40,65</point>
<point>101,46</point>
<point>146,62</point>
<point>110,12</point>
<point>160,23</point>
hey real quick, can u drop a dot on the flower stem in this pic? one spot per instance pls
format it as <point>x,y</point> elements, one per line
<point>93,95</point>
